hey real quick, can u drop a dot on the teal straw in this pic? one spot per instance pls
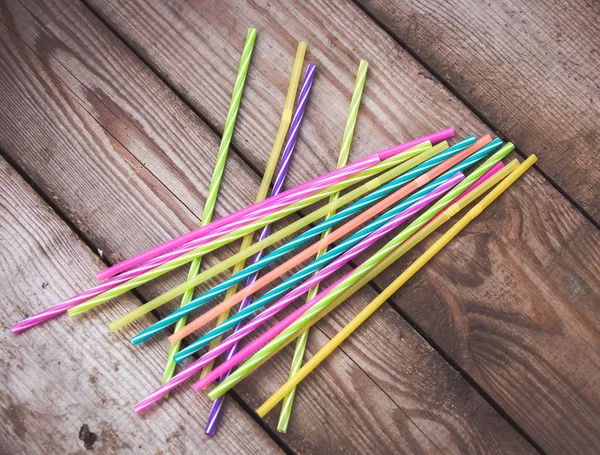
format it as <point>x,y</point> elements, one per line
<point>299,276</point>
<point>215,183</point>
<point>323,226</point>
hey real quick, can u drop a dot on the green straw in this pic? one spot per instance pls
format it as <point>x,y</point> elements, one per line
<point>289,333</point>
<point>270,169</point>
<point>288,402</point>
<point>416,153</point>
<point>215,183</point>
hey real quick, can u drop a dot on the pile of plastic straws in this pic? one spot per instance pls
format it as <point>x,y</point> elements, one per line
<point>408,190</point>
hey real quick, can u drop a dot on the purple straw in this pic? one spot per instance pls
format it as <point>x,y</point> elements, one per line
<point>309,76</point>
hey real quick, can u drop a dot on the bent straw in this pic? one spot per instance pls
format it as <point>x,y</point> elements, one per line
<point>342,160</point>
<point>394,286</point>
<point>478,188</point>
<point>332,292</point>
<point>263,189</point>
<point>213,417</point>
<point>303,238</point>
<point>216,239</point>
<point>195,366</point>
<point>215,183</point>
<point>422,151</point>
<point>337,234</point>
<point>332,267</point>
<point>265,207</point>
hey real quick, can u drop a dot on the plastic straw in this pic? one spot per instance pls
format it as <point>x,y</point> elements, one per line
<point>295,279</point>
<point>253,362</point>
<point>213,417</point>
<point>340,216</point>
<point>342,160</point>
<point>422,153</point>
<point>215,239</point>
<point>394,286</point>
<point>295,199</point>
<point>215,183</point>
<point>263,208</point>
<point>332,292</point>
<point>337,234</point>
<point>247,240</point>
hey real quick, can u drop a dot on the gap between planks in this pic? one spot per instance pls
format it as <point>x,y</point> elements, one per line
<point>478,113</point>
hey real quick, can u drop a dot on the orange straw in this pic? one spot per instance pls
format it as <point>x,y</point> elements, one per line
<point>227,304</point>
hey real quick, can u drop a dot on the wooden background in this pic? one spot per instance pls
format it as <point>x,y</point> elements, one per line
<point>110,116</point>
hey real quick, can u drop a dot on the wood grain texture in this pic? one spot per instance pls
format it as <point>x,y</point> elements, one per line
<point>530,68</point>
<point>69,374</point>
<point>395,419</point>
<point>548,265</point>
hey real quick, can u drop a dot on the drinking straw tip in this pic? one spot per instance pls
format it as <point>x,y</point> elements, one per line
<point>113,327</point>
<point>137,339</point>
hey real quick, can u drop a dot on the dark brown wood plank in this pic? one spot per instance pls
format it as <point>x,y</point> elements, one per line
<point>530,69</point>
<point>55,380</point>
<point>412,418</point>
<point>548,265</point>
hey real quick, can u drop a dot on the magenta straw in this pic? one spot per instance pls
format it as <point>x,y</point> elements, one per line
<point>236,220</point>
<point>235,337</point>
<point>265,207</point>
<point>215,410</point>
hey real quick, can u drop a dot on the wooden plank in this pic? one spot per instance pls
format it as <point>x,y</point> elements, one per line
<point>400,418</point>
<point>67,375</point>
<point>530,270</point>
<point>530,68</point>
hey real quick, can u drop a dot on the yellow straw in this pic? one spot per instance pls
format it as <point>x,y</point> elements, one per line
<point>284,125</point>
<point>393,287</point>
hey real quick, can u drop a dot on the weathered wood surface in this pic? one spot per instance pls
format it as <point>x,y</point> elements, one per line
<point>66,375</point>
<point>60,83</point>
<point>530,258</point>
<point>529,68</point>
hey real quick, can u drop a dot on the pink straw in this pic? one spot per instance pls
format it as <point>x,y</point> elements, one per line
<point>236,220</point>
<point>265,207</point>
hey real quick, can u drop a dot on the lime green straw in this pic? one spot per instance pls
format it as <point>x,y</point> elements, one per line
<point>215,183</point>
<point>289,333</point>
<point>288,402</point>
<point>417,152</point>
<point>263,190</point>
